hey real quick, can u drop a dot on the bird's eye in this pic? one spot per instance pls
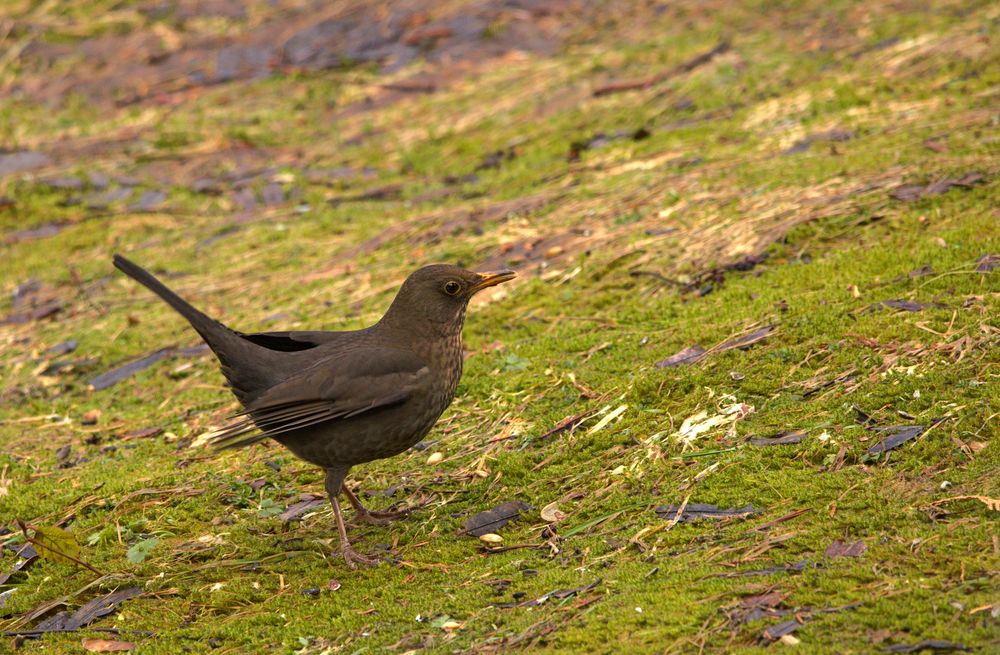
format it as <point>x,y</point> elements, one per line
<point>452,288</point>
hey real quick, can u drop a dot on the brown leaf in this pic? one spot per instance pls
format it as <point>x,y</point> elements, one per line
<point>142,433</point>
<point>558,594</point>
<point>830,135</point>
<point>897,435</point>
<point>843,549</point>
<point>790,437</point>
<point>935,145</point>
<point>776,632</point>
<point>106,645</point>
<point>684,67</point>
<point>689,355</point>
<point>22,160</point>
<point>926,644</point>
<point>125,371</point>
<point>569,423</point>
<point>988,263</point>
<point>494,519</point>
<point>422,35</point>
<point>301,507</point>
<point>32,233</point>
<point>783,568</point>
<point>915,192</point>
<point>101,606</point>
<point>43,310</point>
<point>695,511</point>
<point>552,514</point>
<point>746,340</point>
<point>28,556</point>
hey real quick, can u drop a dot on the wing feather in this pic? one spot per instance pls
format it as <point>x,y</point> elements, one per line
<point>336,388</point>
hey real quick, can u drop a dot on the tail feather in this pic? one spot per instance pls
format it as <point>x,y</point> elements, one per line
<point>206,327</point>
<point>237,356</point>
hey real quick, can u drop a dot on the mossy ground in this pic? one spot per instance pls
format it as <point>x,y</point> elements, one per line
<point>913,89</point>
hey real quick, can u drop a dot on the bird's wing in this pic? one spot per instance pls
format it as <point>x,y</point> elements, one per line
<point>292,341</point>
<point>336,387</point>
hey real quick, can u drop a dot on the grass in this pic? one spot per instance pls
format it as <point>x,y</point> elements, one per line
<point>612,259</point>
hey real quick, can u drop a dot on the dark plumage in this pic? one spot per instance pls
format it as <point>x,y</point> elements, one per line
<point>337,399</point>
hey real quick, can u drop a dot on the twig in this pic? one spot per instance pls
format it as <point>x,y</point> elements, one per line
<point>42,547</point>
<point>687,66</point>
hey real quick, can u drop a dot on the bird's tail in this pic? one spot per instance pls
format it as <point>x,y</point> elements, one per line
<point>248,367</point>
<point>208,328</point>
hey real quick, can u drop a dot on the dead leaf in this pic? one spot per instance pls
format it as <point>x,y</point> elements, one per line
<point>926,644</point>
<point>67,622</point>
<point>991,503</point>
<point>746,340</point>
<point>552,514</point>
<point>911,193</point>
<point>114,376</point>
<point>302,507</point>
<point>696,511</point>
<point>988,263</point>
<point>684,67</point>
<point>783,568</point>
<point>569,423</point>
<point>832,136</point>
<point>23,160</point>
<point>776,632</point>
<point>106,645</point>
<point>697,424</point>
<point>897,435</point>
<point>148,201</point>
<point>689,355</point>
<point>494,519</point>
<point>28,556</point>
<point>32,233</point>
<point>142,433</point>
<point>37,313</point>
<point>558,594</point>
<point>843,549</point>
<point>782,438</point>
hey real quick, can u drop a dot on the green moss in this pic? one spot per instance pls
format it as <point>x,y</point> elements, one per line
<point>578,333</point>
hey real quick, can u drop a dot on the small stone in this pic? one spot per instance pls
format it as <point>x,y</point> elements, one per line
<point>90,417</point>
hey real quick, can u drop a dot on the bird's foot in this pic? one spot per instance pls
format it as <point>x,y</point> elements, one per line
<point>392,514</point>
<point>381,518</point>
<point>353,558</point>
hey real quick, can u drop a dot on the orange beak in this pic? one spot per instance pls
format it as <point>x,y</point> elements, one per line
<point>492,279</point>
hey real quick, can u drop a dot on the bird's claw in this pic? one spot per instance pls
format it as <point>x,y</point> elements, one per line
<point>353,558</point>
<point>383,518</point>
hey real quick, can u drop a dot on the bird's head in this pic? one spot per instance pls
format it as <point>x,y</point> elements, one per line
<point>439,294</point>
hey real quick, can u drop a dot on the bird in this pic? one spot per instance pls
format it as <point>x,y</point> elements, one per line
<point>339,399</point>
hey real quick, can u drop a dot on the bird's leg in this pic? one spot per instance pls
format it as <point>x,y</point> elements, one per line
<point>334,484</point>
<point>375,518</point>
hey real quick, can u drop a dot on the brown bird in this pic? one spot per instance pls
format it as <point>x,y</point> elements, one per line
<point>337,399</point>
